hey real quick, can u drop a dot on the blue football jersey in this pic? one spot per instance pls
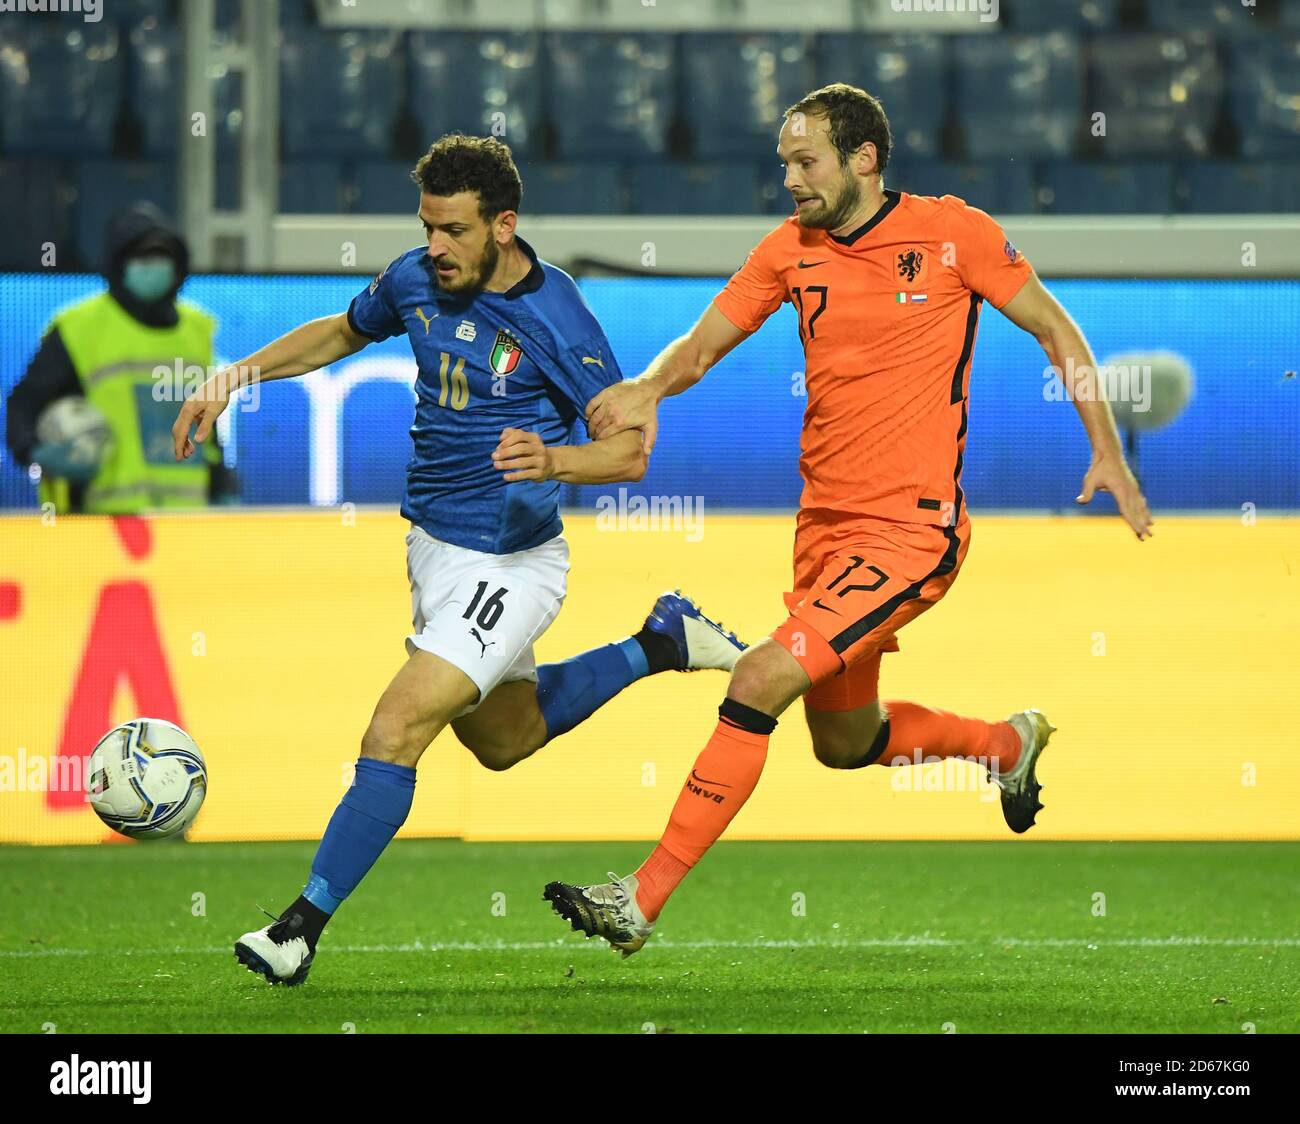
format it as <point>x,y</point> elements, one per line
<point>530,358</point>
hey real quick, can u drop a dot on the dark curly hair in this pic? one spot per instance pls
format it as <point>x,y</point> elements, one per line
<point>457,163</point>
<point>854,117</point>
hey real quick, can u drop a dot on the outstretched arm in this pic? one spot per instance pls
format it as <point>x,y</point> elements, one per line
<point>313,345</point>
<point>632,404</point>
<point>1039,313</point>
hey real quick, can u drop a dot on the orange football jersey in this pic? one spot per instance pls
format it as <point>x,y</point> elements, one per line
<point>888,317</point>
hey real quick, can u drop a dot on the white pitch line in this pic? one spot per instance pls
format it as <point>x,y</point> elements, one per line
<point>568,944</point>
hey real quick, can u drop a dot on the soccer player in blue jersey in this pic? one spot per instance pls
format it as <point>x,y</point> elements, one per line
<point>508,356</point>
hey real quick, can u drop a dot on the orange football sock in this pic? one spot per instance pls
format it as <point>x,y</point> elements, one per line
<point>917,732</point>
<point>725,774</point>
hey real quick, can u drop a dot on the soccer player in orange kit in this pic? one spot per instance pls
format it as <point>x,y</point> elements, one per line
<point>888,288</point>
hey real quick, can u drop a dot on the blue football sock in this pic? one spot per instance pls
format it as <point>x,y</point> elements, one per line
<point>363,824</point>
<point>573,690</point>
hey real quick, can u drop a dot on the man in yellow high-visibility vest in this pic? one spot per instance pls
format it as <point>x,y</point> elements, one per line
<point>110,348</point>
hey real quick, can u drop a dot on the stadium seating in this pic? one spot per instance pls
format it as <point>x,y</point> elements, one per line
<point>685,189</point>
<point>384,187</point>
<point>1258,187</point>
<point>901,70</point>
<point>611,96</point>
<point>313,187</point>
<point>740,117</point>
<point>60,88</point>
<point>576,188</point>
<point>155,92</point>
<point>34,201</point>
<point>1003,187</point>
<point>1059,15</point>
<point>616,122</point>
<point>103,187</point>
<point>1018,95</point>
<point>1159,94</point>
<point>1264,94</point>
<point>340,92</point>
<point>1070,187</point>
<point>487,84</point>
<point>131,13</point>
<point>1201,15</point>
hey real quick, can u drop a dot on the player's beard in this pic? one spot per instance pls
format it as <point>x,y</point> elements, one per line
<point>483,269</point>
<point>834,214</point>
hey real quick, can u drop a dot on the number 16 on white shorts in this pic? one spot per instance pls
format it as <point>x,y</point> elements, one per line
<point>482,612</point>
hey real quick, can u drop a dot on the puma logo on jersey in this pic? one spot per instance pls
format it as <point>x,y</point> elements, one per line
<point>425,320</point>
<point>486,644</point>
<point>599,362</point>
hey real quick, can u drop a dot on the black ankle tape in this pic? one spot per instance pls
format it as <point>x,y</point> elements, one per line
<point>745,717</point>
<point>877,747</point>
<point>660,651</point>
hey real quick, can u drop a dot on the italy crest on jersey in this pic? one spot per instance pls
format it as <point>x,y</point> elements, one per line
<point>505,354</point>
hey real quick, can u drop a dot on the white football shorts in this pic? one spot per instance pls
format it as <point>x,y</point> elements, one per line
<point>482,612</point>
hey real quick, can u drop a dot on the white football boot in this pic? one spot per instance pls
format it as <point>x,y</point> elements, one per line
<point>608,910</point>
<point>1020,787</point>
<point>700,642</point>
<point>274,952</point>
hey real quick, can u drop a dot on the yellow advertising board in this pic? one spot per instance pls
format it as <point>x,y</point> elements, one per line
<point>1168,667</point>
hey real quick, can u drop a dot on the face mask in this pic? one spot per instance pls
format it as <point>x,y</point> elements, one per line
<point>149,279</point>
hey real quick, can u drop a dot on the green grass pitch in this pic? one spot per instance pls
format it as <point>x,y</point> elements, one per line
<point>819,936</point>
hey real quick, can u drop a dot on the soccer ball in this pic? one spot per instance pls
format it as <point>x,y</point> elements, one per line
<point>147,779</point>
<point>78,428</point>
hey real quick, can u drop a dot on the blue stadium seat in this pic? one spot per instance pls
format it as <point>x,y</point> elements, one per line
<point>60,87</point>
<point>1060,15</point>
<point>611,95</point>
<point>1075,188</point>
<point>104,187</point>
<point>1159,93</point>
<point>741,116</point>
<point>384,187</point>
<point>311,187</point>
<point>1264,93</point>
<point>34,202</point>
<point>591,188</point>
<point>294,14</point>
<point>483,84</point>
<point>1018,95</point>
<point>1225,187</point>
<point>1201,15</point>
<point>340,92</point>
<point>774,198</point>
<point>694,189</point>
<point>154,92</point>
<point>908,73</point>
<point>130,13</point>
<point>1001,187</point>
